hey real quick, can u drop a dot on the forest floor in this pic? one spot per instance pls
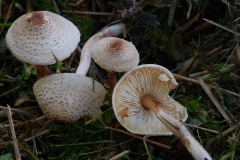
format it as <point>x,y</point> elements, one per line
<point>198,41</point>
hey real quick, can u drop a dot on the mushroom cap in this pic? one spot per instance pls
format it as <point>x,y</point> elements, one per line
<point>67,97</point>
<point>153,80</point>
<point>115,54</point>
<point>42,38</point>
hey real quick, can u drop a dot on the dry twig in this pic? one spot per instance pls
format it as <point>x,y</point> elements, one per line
<point>139,137</point>
<point>218,106</point>
<point>209,85</point>
<point>224,133</point>
<point>38,134</point>
<point>29,152</point>
<point>16,110</point>
<point>15,142</point>
<point>89,13</point>
<point>171,12</point>
<point>8,14</point>
<point>79,50</point>
<point>201,128</point>
<point>56,7</point>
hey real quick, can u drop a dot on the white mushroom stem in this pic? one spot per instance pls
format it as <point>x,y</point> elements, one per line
<point>175,126</point>
<point>85,60</point>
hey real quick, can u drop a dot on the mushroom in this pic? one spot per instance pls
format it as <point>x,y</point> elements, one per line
<point>67,97</point>
<point>142,105</point>
<point>42,38</point>
<point>115,55</point>
<point>113,30</point>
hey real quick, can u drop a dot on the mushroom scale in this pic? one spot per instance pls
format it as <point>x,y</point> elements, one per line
<point>67,97</point>
<point>42,38</point>
<point>115,54</point>
<point>151,80</point>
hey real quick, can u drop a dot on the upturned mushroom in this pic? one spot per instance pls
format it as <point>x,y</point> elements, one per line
<point>115,55</point>
<point>42,38</point>
<point>142,104</point>
<point>67,97</point>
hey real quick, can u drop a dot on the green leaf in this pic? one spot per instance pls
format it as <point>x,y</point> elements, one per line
<point>229,99</point>
<point>19,6</point>
<point>5,24</point>
<point>7,92</point>
<point>7,156</point>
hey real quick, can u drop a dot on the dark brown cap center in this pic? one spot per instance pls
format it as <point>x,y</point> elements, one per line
<point>37,18</point>
<point>116,44</point>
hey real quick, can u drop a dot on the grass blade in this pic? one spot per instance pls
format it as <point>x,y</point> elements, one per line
<point>220,26</point>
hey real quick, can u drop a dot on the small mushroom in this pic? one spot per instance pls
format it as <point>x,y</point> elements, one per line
<point>67,97</point>
<point>142,105</point>
<point>115,55</point>
<point>113,30</point>
<point>42,38</point>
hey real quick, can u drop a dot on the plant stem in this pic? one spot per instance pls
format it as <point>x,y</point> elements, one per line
<point>146,147</point>
<point>29,152</point>
<point>120,155</point>
<point>139,137</point>
<point>14,138</point>
<point>223,70</point>
<point>81,144</point>
<point>5,93</point>
<point>209,85</point>
<point>88,13</point>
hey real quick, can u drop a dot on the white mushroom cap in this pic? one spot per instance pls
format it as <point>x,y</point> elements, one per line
<point>152,80</point>
<point>67,97</point>
<point>42,38</point>
<point>115,54</point>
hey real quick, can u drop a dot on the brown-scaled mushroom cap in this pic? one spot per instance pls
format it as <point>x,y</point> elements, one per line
<point>115,54</point>
<point>145,80</point>
<point>42,38</point>
<point>66,97</point>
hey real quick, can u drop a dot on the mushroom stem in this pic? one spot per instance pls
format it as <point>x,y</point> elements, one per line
<point>113,30</point>
<point>112,80</point>
<point>175,126</point>
<point>42,71</point>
